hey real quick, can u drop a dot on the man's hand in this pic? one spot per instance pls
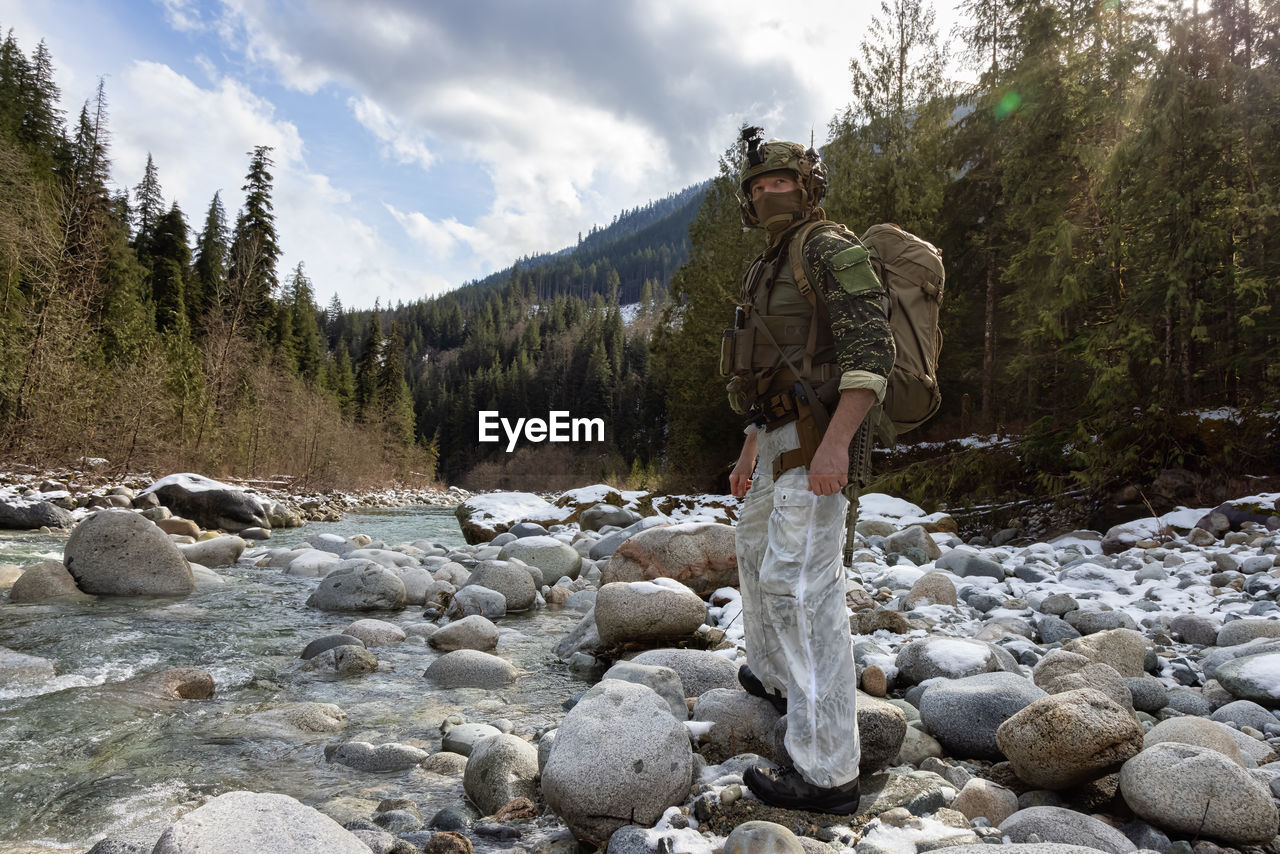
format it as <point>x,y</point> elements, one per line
<point>740,477</point>
<point>830,468</point>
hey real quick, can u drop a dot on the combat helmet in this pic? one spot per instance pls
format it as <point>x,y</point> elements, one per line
<point>773,156</point>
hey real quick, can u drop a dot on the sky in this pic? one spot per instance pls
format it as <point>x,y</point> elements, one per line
<point>422,144</point>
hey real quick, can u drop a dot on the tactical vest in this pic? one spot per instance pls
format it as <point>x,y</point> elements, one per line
<point>777,331</point>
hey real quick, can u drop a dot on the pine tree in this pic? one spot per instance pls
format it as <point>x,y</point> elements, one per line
<point>209,274</point>
<point>885,152</point>
<point>170,266</point>
<point>394,404</point>
<point>148,207</point>
<point>307,346</point>
<point>342,380</point>
<point>368,369</point>
<point>254,248</point>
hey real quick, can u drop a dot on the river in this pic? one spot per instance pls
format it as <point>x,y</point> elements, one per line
<point>81,759</point>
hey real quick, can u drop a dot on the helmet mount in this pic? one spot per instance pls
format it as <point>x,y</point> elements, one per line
<point>777,156</point>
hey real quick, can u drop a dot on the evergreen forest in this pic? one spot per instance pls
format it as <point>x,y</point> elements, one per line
<point>1105,195</point>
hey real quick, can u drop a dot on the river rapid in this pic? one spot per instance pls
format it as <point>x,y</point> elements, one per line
<point>81,759</point>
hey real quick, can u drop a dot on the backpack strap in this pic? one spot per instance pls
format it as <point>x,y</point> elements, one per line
<point>799,272</point>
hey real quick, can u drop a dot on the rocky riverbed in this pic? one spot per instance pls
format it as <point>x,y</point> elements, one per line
<point>567,679</point>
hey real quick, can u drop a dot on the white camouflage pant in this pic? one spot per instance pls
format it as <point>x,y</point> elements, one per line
<point>789,544</point>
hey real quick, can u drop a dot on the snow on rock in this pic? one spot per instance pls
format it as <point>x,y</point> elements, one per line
<point>483,517</point>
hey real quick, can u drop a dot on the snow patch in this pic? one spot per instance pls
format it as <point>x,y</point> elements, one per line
<point>957,655</point>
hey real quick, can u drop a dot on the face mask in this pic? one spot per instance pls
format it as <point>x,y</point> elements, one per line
<point>775,210</point>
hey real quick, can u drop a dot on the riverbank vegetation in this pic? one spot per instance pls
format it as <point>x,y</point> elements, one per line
<point>1104,196</point>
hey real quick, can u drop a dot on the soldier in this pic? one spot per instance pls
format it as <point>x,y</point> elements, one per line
<point>810,357</point>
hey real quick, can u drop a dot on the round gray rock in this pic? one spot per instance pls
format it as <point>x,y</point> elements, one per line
<point>22,514</point>
<point>46,581</point>
<point>1245,713</point>
<point>740,723</point>
<point>1242,631</point>
<point>514,583</point>
<point>375,632</point>
<point>119,553</point>
<point>1056,824</point>
<point>699,670</point>
<point>364,756</point>
<point>964,714</point>
<point>661,609</point>
<point>556,559</point>
<point>474,632</point>
<point>762,837</point>
<point>263,823</point>
<point>475,599</point>
<point>1252,677</point>
<point>597,516</point>
<point>1196,791</point>
<point>954,658</point>
<point>360,586</point>
<point>619,757</point>
<point>500,769</point>
<point>470,668</point>
<point>663,680</point>
<point>215,552</point>
<point>462,738</point>
<point>700,555</point>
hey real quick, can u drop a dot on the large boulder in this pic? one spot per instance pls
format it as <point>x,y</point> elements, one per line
<point>700,555</point>
<point>513,582</point>
<point>964,714</point>
<point>119,553</point>
<point>661,609</point>
<point>483,517</point>
<point>663,680</point>
<point>555,559</point>
<point>619,758</point>
<point>1198,792</point>
<point>46,581</point>
<point>23,514</point>
<point>263,823</point>
<point>500,769</point>
<point>209,503</point>
<point>1069,738</point>
<point>362,585</point>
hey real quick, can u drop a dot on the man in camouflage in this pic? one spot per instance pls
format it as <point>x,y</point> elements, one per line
<point>792,527</point>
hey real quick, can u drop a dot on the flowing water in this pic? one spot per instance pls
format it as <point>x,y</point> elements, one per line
<point>81,759</point>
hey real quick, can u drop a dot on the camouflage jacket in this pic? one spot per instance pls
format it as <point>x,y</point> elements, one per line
<point>856,300</point>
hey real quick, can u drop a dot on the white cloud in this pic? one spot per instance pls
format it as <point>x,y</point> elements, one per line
<point>398,142</point>
<point>574,111</point>
<point>200,139</point>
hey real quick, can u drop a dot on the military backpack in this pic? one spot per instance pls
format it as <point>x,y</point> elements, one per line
<point>912,272</point>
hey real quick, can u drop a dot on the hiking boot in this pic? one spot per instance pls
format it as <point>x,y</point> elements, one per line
<point>755,688</point>
<point>784,787</point>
